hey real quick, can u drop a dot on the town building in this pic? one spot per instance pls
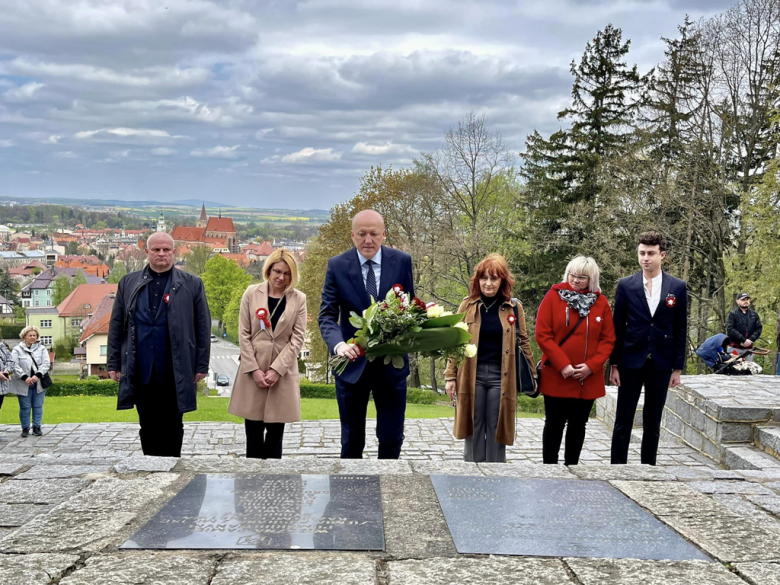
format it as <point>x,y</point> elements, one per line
<point>218,233</point>
<point>94,337</point>
<point>6,306</point>
<point>39,292</point>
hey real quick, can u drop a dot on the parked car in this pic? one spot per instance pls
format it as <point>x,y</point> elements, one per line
<point>214,339</point>
<point>223,380</point>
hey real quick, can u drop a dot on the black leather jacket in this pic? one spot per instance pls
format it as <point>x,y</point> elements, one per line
<point>741,326</point>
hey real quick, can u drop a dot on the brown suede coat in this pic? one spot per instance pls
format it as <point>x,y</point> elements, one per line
<point>465,376</point>
<point>277,349</point>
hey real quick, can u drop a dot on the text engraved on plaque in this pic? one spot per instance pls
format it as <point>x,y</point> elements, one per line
<point>557,518</point>
<point>226,511</point>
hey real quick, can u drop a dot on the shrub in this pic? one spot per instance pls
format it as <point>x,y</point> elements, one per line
<point>10,331</point>
<point>84,388</point>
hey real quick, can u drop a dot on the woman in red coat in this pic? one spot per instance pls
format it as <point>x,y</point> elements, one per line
<point>572,370</point>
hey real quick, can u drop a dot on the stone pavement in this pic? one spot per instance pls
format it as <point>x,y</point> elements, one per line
<point>426,439</point>
<point>68,500</point>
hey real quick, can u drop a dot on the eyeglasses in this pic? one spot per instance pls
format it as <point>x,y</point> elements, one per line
<point>578,276</point>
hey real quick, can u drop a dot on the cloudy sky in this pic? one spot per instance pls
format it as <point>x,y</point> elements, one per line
<point>281,103</point>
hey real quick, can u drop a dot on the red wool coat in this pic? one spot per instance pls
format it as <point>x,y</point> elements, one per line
<point>592,344</point>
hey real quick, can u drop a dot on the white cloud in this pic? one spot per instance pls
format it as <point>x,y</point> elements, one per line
<point>23,92</point>
<point>311,155</point>
<point>163,151</point>
<point>6,143</point>
<point>66,154</point>
<point>218,152</point>
<point>54,139</point>
<point>382,148</point>
<point>125,132</point>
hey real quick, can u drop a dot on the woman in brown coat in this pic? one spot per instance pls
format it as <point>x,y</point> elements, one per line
<point>272,324</point>
<point>485,384</point>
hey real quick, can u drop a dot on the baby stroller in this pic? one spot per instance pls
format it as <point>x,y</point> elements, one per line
<point>722,359</point>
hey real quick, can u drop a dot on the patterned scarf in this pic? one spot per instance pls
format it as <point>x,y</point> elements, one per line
<point>580,302</point>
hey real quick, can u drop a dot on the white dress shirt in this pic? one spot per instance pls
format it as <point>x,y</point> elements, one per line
<point>364,271</point>
<point>655,298</point>
<point>377,267</point>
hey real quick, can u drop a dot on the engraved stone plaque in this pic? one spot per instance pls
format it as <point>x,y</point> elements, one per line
<point>553,518</point>
<point>235,511</point>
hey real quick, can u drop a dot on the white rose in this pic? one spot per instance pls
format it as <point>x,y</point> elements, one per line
<point>471,350</point>
<point>462,325</point>
<point>445,314</point>
<point>434,311</point>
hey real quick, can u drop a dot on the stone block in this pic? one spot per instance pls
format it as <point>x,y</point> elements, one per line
<point>90,519</point>
<point>632,571</point>
<point>731,432</point>
<point>729,487</point>
<point>692,437</point>
<point>745,414</point>
<point>485,571</point>
<point>40,491</point>
<point>34,569</point>
<point>684,411</point>
<point>711,427</point>
<point>10,468</point>
<point>710,449</point>
<point>62,471</point>
<point>310,568</point>
<point>768,438</point>
<point>12,515</point>
<point>158,568</point>
<point>697,419</point>
<point>674,424</point>
<point>142,463</point>
<point>763,573</point>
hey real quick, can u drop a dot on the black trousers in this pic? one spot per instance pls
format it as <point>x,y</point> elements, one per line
<point>162,429</point>
<point>572,413</point>
<point>656,387</point>
<point>390,402</point>
<point>263,440</point>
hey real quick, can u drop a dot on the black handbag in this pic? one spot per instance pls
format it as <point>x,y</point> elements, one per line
<point>564,340</point>
<point>527,384</point>
<point>45,380</point>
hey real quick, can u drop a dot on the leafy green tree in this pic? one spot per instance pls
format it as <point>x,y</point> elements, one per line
<point>221,278</point>
<point>61,288</point>
<point>195,260</point>
<point>117,272</point>
<point>78,279</point>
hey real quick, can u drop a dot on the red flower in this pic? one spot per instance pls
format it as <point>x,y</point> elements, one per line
<point>167,298</point>
<point>671,301</point>
<point>398,289</point>
<point>512,319</point>
<point>419,303</point>
<point>261,313</point>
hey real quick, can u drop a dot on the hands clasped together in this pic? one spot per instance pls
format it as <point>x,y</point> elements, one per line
<point>265,379</point>
<point>578,372</point>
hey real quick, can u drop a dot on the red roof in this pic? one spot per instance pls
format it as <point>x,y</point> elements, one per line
<point>100,320</point>
<point>84,300</point>
<point>264,249</point>
<point>220,224</point>
<point>188,234</point>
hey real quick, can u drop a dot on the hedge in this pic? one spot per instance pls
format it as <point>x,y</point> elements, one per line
<point>10,331</point>
<point>111,388</point>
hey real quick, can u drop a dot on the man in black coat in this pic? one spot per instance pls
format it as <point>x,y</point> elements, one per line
<point>650,329</point>
<point>743,325</point>
<point>159,345</point>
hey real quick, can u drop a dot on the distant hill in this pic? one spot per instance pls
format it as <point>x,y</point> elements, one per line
<point>198,203</point>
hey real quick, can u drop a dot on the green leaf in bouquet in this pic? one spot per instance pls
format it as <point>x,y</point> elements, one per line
<point>390,295</point>
<point>398,362</point>
<point>425,340</point>
<point>388,359</point>
<point>447,321</point>
<point>356,320</point>
<point>417,329</point>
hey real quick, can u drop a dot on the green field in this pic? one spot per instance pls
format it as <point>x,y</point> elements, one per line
<point>61,409</point>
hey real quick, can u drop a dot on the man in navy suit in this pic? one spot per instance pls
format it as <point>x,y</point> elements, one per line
<point>650,327</point>
<point>367,270</point>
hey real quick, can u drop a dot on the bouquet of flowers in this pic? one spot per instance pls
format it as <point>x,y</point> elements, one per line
<point>402,324</point>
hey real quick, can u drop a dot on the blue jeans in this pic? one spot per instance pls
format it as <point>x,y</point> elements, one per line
<point>33,401</point>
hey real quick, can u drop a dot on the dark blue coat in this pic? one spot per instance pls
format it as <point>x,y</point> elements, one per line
<point>189,332</point>
<point>639,334</point>
<point>345,291</point>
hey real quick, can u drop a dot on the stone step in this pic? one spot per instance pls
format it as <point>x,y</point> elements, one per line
<point>747,456</point>
<point>767,438</point>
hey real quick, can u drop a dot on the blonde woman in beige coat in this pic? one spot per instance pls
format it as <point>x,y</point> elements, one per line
<point>266,391</point>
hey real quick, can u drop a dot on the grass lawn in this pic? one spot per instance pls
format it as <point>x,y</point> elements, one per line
<point>60,409</point>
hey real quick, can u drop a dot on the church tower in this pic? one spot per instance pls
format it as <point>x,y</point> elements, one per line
<point>161,223</point>
<point>203,221</point>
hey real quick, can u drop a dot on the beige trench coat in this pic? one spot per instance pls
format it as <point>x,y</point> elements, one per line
<point>465,376</point>
<point>277,349</point>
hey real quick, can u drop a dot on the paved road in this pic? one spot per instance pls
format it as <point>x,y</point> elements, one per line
<point>224,360</point>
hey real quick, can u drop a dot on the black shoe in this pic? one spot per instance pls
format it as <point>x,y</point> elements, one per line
<point>25,433</point>
<point>37,431</point>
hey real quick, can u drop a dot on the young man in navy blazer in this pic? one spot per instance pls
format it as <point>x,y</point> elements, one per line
<point>650,327</point>
<point>369,269</point>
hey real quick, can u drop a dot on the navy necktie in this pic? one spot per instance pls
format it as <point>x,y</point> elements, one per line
<point>371,280</point>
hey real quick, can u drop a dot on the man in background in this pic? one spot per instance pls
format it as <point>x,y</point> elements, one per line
<point>743,326</point>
